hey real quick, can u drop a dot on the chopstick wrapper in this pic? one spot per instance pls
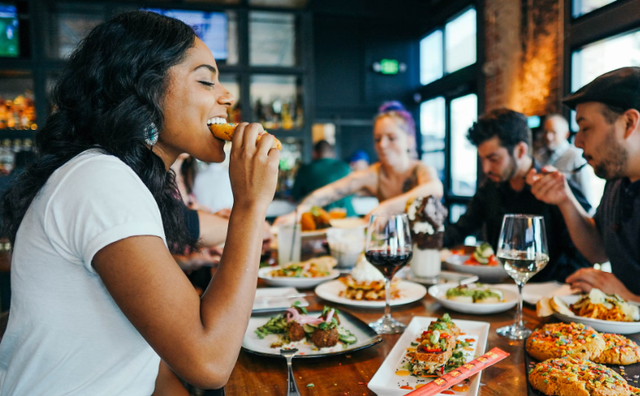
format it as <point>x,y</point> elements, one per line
<point>465,371</point>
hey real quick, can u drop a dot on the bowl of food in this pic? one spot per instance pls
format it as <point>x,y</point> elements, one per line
<point>482,262</point>
<point>474,298</point>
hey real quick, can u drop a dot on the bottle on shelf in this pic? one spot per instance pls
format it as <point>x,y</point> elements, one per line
<point>18,113</point>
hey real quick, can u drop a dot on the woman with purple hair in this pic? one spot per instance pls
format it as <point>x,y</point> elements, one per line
<point>394,179</point>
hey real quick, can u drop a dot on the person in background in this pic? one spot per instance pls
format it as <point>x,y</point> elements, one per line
<point>324,169</point>
<point>562,155</point>
<point>99,306</point>
<point>608,114</point>
<point>359,161</point>
<point>396,178</point>
<point>503,140</point>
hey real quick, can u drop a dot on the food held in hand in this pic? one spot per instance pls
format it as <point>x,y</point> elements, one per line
<point>618,350</point>
<point>556,340</point>
<point>224,130</point>
<point>313,268</point>
<point>595,305</point>
<point>315,219</point>
<point>435,347</point>
<point>297,325</point>
<point>477,294</point>
<point>483,255</point>
<point>426,221</point>
<point>573,376</point>
<point>367,283</point>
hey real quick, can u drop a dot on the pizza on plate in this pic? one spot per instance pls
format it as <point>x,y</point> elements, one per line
<point>570,376</point>
<point>556,340</point>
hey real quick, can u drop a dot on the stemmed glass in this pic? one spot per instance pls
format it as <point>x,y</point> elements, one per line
<point>388,248</point>
<point>522,251</point>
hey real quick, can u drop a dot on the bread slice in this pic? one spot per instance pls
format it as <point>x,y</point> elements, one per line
<point>560,306</point>
<point>543,307</point>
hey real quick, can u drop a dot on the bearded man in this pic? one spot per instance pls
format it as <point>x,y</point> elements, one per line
<point>503,140</point>
<point>608,114</point>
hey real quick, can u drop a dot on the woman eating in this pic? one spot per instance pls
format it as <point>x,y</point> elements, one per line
<point>98,300</point>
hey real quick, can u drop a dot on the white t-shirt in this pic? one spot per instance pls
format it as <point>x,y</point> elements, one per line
<point>66,335</point>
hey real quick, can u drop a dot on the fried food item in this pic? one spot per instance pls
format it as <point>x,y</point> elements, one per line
<point>367,290</point>
<point>325,338</point>
<point>436,346</point>
<point>570,376</point>
<point>295,331</point>
<point>556,340</point>
<point>226,131</point>
<point>315,219</point>
<point>618,350</point>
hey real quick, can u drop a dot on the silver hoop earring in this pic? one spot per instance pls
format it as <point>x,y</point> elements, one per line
<point>152,135</point>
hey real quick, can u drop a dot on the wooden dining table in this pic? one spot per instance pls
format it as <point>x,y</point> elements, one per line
<point>349,374</point>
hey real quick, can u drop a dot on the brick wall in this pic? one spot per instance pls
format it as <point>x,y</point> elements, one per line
<point>523,68</point>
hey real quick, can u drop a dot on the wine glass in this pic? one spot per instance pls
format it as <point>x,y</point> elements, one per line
<point>522,251</point>
<point>388,249</point>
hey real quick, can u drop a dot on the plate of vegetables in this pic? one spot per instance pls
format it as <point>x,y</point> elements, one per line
<point>314,333</point>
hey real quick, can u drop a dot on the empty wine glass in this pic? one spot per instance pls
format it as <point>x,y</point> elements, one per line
<point>522,251</point>
<point>388,249</point>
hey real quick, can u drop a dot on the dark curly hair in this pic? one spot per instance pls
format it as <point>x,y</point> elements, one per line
<point>508,125</point>
<point>106,98</point>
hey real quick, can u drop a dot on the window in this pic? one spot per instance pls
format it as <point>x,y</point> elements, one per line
<point>272,39</point>
<point>432,131</point>
<point>581,7</point>
<point>431,65</point>
<point>460,41</point>
<point>449,50</point>
<point>602,56</point>
<point>464,112</point>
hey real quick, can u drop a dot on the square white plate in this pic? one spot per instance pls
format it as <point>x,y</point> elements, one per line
<point>386,382</point>
<point>275,299</point>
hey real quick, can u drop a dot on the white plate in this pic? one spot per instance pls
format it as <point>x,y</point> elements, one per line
<point>275,299</point>
<point>439,292</point>
<point>409,292</point>
<point>444,277</point>
<point>386,382</point>
<point>366,337</point>
<point>486,273</point>
<point>302,283</point>
<point>605,326</point>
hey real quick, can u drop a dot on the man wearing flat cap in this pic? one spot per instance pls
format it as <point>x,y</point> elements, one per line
<point>608,114</point>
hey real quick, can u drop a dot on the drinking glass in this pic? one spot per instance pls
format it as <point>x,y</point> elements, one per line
<point>388,248</point>
<point>522,251</point>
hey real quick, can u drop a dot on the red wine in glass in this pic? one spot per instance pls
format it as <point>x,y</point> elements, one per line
<point>388,262</point>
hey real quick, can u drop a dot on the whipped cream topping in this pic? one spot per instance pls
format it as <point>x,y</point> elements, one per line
<point>365,272</point>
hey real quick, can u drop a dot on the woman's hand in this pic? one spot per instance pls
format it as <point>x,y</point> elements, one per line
<point>253,167</point>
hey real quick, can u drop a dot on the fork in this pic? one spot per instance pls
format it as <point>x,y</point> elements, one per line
<point>289,353</point>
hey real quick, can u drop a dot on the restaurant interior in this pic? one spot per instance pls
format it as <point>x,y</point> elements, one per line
<point>312,70</point>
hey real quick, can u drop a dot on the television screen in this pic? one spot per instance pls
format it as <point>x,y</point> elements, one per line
<point>211,27</point>
<point>9,38</point>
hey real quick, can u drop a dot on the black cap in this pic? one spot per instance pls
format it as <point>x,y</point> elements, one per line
<point>618,88</point>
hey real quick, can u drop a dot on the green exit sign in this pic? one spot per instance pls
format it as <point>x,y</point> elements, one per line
<point>389,66</point>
